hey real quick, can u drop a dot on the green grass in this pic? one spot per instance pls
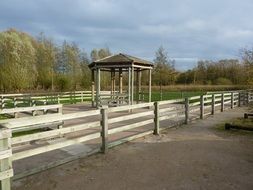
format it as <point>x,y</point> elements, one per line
<point>156,96</point>
<point>18,134</point>
<point>240,122</point>
<point>4,116</point>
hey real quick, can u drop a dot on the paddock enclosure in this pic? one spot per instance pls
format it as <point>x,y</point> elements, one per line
<point>53,134</point>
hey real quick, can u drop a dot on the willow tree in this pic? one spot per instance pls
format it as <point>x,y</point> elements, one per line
<point>45,62</point>
<point>68,66</point>
<point>97,54</point>
<point>17,60</point>
<point>164,71</point>
<point>247,58</point>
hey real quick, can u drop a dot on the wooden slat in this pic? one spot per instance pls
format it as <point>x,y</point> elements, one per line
<point>219,104</point>
<point>47,148</point>
<point>6,174</point>
<point>5,133</point>
<point>128,117</point>
<point>56,132</point>
<point>227,102</point>
<point>168,117</point>
<point>194,110</point>
<point>128,107</point>
<point>21,122</point>
<point>5,154</point>
<point>40,126</point>
<point>206,114</point>
<point>129,138</point>
<point>194,104</point>
<point>194,98</point>
<point>167,109</point>
<point>27,109</point>
<point>208,96</point>
<point>171,101</point>
<point>131,126</point>
<point>207,101</point>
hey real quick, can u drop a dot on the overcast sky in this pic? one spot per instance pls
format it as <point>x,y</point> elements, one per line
<point>188,29</point>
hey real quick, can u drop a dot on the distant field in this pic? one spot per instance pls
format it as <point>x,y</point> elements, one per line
<point>199,88</point>
<point>156,96</point>
<point>183,91</point>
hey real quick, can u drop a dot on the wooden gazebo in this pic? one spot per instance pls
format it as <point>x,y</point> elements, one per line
<point>119,63</point>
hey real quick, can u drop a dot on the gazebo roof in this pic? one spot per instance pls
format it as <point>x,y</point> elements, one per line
<point>121,60</point>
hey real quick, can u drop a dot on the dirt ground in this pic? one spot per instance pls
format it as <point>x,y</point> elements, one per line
<point>196,156</point>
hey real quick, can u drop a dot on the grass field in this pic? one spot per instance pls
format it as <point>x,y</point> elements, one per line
<point>157,96</point>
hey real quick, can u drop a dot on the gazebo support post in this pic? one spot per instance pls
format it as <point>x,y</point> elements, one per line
<point>93,88</point>
<point>113,83</point>
<point>120,63</point>
<point>97,87</point>
<point>132,86</point>
<point>129,85</point>
<point>149,86</point>
<point>120,83</point>
<point>138,85</point>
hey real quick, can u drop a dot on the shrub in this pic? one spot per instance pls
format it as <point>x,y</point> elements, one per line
<point>223,81</point>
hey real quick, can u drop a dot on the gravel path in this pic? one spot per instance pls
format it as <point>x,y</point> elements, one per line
<point>196,156</point>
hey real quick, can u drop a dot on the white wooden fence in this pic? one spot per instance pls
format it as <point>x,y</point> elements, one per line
<point>33,110</point>
<point>107,123</point>
<point>25,100</point>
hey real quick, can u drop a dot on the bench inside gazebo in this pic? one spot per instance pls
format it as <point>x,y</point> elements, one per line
<point>117,65</point>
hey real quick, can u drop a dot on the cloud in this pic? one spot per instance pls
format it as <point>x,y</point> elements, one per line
<point>188,29</point>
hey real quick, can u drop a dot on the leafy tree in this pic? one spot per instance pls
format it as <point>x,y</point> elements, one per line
<point>17,60</point>
<point>45,62</point>
<point>86,73</point>
<point>222,81</point>
<point>68,63</point>
<point>97,54</point>
<point>207,72</point>
<point>247,58</point>
<point>164,71</point>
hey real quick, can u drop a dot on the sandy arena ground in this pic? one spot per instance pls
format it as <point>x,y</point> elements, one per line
<point>196,156</point>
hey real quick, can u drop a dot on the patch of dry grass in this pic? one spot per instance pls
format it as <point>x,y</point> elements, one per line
<point>239,122</point>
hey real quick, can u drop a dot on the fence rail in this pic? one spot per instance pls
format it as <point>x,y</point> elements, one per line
<point>25,100</point>
<point>108,122</point>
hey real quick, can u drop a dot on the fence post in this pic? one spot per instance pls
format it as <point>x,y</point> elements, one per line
<point>201,106</point>
<point>213,104</point>
<point>15,102</point>
<point>15,105</point>
<point>75,97</point>
<point>186,110</point>
<point>81,96</point>
<point>6,171</point>
<point>46,99</point>
<point>232,100</point>
<point>58,98</point>
<point>222,102</point>
<point>104,132</point>
<point>1,98</point>
<point>239,99</point>
<point>30,100</point>
<point>45,110</point>
<point>33,105</point>
<point>244,97</point>
<point>248,97</point>
<point>156,118</point>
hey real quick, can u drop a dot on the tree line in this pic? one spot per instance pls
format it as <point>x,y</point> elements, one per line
<point>28,63</point>
<point>37,63</point>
